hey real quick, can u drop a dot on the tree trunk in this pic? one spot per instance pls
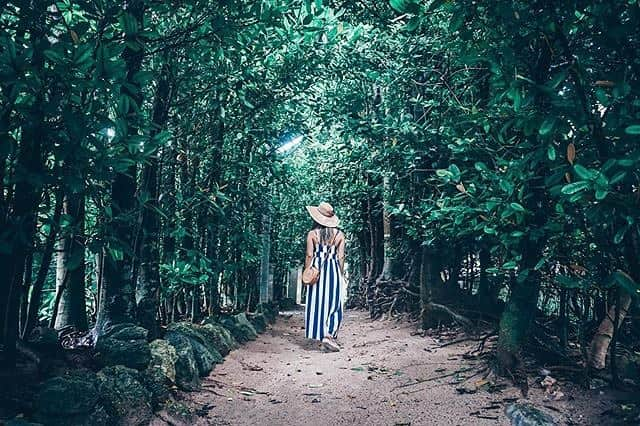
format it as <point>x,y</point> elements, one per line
<point>522,304</point>
<point>22,215</point>
<point>602,339</point>
<point>35,300</point>
<point>386,230</point>
<point>484,286</point>
<point>117,293</point>
<point>212,252</point>
<point>148,288</point>
<point>70,271</point>
<point>426,281</point>
<point>27,281</point>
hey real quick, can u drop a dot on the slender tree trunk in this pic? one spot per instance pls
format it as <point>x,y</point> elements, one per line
<point>70,272</point>
<point>386,230</point>
<point>484,287</point>
<point>563,320</point>
<point>26,286</point>
<point>148,288</point>
<point>35,301</point>
<point>212,252</point>
<point>426,280</point>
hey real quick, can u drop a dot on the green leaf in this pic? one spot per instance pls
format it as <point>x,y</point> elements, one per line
<point>547,126</point>
<point>481,167</point>
<point>405,6</point>
<point>575,187</point>
<point>583,172</point>
<point>626,282</point>
<point>434,5</point>
<point>509,265</point>
<point>551,152</point>
<point>566,281</point>
<point>618,177</point>
<point>517,207</point>
<point>633,130</point>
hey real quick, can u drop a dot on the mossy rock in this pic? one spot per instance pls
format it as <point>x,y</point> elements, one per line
<point>259,322</point>
<point>220,336</point>
<point>134,354</point>
<point>196,333</point>
<point>127,331</point>
<point>124,344</point>
<point>44,339</point>
<point>124,396</point>
<point>187,373</point>
<point>244,323</point>
<point>158,384</point>
<point>72,399</point>
<point>163,359</point>
<point>229,323</point>
<point>269,310</point>
<point>524,414</point>
<point>205,359</point>
<point>177,413</point>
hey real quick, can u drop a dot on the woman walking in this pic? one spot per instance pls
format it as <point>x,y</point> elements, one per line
<point>325,251</point>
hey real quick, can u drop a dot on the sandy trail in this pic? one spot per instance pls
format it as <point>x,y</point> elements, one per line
<point>282,379</point>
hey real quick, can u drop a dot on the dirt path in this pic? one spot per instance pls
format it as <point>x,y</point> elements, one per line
<point>281,379</point>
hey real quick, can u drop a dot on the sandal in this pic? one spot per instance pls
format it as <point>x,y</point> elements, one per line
<point>330,345</point>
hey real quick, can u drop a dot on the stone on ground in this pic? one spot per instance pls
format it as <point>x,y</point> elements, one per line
<point>187,374</point>
<point>123,395</point>
<point>163,358</point>
<point>44,339</point>
<point>523,414</point>
<point>71,399</point>
<point>259,322</point>
<point>219,336</point>
<point>124,344</point>
<point>239,327</point>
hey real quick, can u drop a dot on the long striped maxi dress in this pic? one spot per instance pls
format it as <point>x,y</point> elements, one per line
<point>324,301</point>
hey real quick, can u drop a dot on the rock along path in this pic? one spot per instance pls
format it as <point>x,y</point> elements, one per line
<point>283,379</point>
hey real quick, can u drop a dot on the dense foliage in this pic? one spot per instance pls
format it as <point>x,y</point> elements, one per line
<point>482,156</point>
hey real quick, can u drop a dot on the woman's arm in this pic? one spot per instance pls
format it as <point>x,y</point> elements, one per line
<point>340,251</point>
<point>309,251</point>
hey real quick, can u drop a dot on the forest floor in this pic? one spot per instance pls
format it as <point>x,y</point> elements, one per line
<point>386,374</point>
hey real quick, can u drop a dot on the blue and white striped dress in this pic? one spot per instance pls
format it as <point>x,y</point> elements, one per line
<point>324,301</point>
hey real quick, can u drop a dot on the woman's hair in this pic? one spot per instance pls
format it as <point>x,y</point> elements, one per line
<point>325,233</point>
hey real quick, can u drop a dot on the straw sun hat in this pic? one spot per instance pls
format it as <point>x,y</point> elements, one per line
<point>324,215</point>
